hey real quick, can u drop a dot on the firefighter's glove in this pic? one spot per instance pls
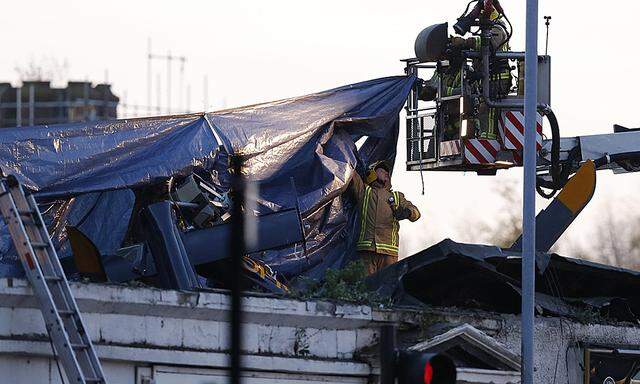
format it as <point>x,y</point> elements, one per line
<point>456,41</point>
<point>402,213</point>
<point>426,91</point>
<point>461,43</point>
<point>398,212</point>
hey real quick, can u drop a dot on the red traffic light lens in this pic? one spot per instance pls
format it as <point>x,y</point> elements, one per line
<point>422,367</point>
<point>428,373</point>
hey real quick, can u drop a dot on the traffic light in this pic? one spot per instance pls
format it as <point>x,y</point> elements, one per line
<point>415,367</point>
<point>412,367</point>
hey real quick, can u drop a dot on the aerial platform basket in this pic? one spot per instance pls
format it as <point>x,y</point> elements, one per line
<point>429,149</point>
<point>474,147</point>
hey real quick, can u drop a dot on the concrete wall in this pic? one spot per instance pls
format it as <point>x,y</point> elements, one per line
<point>559,343</point>
<point>558,350</point>
<point>170,336</point>
<point>135,328</point>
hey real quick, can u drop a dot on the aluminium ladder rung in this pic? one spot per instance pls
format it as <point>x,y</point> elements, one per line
<point>29,222</point>
<point>42,268</point>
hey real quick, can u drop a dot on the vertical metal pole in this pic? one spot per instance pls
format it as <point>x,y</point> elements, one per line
<point>159,93</point>
<point>149,77</point>
<point>169,83</point>
<point>86,101</point>
<point>19,106</point>
<point>65,107</point>
<point>105,115</point>
<point>205,93</point>
<point>546,45</point>
<point>388,354</point>
<point>125,105</point>
<point>181,87</point>
<point>188,109</point>
<point>3,122</point>
<point>237,248</point>
<point>529,193</point>
<point>31,105</point>
<point>411,122</point>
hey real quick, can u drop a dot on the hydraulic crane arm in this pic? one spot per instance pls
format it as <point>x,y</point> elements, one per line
<point>554,220</point>
<point>618,151</point>
<point>582,155</point>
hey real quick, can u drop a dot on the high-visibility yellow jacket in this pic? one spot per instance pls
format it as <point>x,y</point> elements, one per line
<point>380,210</point>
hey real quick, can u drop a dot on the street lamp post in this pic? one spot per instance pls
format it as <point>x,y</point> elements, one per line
<point>529,192</point>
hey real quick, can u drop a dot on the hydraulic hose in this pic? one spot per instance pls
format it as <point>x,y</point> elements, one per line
<point>542,192</point>
<point>559,173</point>
<point>467,8</point>
<point>555,148</point>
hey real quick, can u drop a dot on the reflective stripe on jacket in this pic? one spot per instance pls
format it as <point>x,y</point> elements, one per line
<point>451,84</point>
<point>499,36</point>
<point>379,227</point>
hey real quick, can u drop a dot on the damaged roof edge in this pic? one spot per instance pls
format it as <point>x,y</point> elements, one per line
<point>488,278</point>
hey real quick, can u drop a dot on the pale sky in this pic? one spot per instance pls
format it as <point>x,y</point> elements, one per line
<point>254,51</point>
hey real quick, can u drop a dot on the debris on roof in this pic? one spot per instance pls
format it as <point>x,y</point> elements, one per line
<point>146,198</point>
<point>451,274</point>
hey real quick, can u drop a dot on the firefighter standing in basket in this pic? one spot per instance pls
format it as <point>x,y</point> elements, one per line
<point>486,124</point>
<point>380,210</point>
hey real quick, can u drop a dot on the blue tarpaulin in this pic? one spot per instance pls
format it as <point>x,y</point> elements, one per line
<point>310,139</point>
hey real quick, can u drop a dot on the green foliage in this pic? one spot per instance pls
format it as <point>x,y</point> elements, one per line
<point>346,284</point>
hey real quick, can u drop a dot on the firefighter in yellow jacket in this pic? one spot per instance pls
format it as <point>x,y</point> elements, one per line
<point>380,210</point>
<point>485,126</point>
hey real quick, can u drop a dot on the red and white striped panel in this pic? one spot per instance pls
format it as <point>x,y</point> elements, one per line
<point>511,126</point>
<point>481,151</point>
<point>450,148</point>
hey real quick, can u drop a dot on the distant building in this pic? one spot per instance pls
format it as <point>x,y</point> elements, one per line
<point>37,103</point>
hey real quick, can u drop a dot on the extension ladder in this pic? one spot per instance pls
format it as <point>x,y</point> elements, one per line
<point>49,284</point>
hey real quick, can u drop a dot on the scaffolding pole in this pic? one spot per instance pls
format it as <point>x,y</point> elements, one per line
<point>149,75</point>
<point>32,112</point>
<point>169,58</point>
<point>529,193</point>
<point>19,106</point>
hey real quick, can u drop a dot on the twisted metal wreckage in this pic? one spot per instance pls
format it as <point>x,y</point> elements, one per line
<point>148,199</point>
